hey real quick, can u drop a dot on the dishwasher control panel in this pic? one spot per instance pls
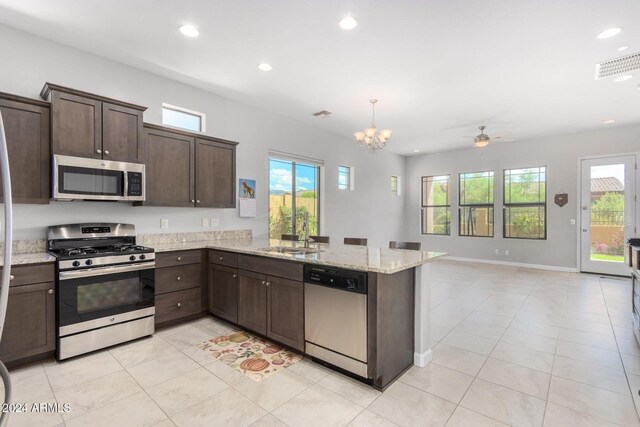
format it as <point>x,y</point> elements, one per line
<point>346,280</point>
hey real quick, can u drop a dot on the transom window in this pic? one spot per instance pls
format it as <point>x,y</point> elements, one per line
<point>345,177</point>
<point>525,203</point>
<point>475,211</point>
<point>182,118</point>
<point>393,182</point>
<point>436,205</point>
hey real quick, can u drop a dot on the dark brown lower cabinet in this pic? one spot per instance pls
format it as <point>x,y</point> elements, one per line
<point>223,292</point>
<point>252,301</point>
<point>285,311</point>
<point>177,305</point>
<point>30,322</point>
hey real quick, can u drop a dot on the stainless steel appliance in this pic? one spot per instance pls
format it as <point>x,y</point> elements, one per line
<point>335,320</point>
<point>632,253</point>
<point>105,286</point>
<point>78,178</point>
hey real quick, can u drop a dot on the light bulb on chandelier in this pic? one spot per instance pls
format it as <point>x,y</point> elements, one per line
<point>371,138</point>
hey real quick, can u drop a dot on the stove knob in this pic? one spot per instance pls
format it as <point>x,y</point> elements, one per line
<point>132,257</point>
<point>76,263</point>
<point>88,262</point>
<point>143,256</point>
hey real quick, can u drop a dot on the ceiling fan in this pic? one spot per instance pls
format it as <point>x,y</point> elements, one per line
<point>482,140</point>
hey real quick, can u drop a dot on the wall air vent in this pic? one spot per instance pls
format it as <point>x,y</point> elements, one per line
<point>323,113</point>
<point>622,65</point>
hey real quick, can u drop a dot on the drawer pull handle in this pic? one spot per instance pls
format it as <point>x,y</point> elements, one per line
<point>235,275</point>
<point>179,304</point>
<point>179,258</point>
<point>179,278</point>
<point>11,277</point>
<point>50,291</point>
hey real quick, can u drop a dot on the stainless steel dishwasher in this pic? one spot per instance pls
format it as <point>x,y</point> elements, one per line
<point>335,326</point>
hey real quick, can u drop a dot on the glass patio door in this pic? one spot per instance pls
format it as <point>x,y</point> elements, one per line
<point>607,210</point>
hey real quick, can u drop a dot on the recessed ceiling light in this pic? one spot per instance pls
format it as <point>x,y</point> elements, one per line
<point>623,78</point>
<point>265,67</point>
<point>609,32</point>
<point>608,122</point>
<point>621,48</point>
<point>189,30</point>
<point>348,23</point>
<point>416,151</point>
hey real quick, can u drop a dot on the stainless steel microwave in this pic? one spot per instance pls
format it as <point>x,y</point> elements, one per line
<point>79,178</point>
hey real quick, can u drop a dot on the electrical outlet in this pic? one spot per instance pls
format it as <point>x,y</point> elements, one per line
<point>215,222</point>
<point>205,222</point>
<point>497,251</point>
<point>506,252</point>
<point>573,221</point>
<point>164,223</point>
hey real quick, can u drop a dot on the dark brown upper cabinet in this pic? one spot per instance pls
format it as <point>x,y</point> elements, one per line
<point>187,169</point>
<point>88,125</point>
<point>26,123</point>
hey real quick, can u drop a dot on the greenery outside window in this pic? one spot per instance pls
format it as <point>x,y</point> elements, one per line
<point>475,211</point>
<point>394,185</point>
<point>436,205</point>
<point>525,203</point>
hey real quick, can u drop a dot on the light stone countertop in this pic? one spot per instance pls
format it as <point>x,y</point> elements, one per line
<point>29,258</point>
<point>363,258</point>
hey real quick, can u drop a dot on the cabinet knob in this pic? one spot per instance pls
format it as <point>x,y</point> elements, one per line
<point>99,151</point>
<point>221,258</point>
<point>193,201</point>
<point>50,291</point>
<point>264,283</point>
<point>106,152</point>
<point>179,258</point>
<point>197,201</point>
<point>268,283</point>
<point>235,275</point>
<point>179,304</point>
<point>179,278</point>
<point>11,277</point>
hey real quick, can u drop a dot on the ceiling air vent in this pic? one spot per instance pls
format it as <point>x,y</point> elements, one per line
<point>622,65</point>
<point>323,113</point>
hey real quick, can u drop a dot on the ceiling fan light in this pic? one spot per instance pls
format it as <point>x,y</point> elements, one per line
<point>481,142</point>
<point>359,136</point>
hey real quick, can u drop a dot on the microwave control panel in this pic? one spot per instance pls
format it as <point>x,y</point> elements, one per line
<point>135,183</point>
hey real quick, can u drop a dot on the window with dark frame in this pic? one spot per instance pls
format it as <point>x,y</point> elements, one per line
<point>475,204</point>
<point>436,205</point>
<point>525,203</point>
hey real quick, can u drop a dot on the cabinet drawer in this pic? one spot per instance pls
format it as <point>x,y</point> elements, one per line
<point>271,267</point>
<point>229,259</point>
<point>169,259</point>
<point>176,305</point>
<point>176,278</point>
<point>30,274</point>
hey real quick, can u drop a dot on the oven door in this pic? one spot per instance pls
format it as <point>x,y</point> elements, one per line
<point>97,297</point>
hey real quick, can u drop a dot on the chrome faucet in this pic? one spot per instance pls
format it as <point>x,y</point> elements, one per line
<point>305,229</point>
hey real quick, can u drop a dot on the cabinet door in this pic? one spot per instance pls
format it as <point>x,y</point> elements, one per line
<point>170,169</point>
<point>215,174</point>
<point>223,292</point>
<point>27,131</point>
<point>121,133</point>
<point>252,301</point>
<point>285,311</point>
<point>30,322</point>
<point>76,125</point>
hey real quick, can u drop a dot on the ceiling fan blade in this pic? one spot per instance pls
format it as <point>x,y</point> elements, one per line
<point>503,139</point>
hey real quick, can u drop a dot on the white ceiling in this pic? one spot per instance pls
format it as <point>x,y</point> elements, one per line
<point>438,68</point>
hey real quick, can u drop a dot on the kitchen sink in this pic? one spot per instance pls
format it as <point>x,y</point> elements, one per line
<point>290,250</point>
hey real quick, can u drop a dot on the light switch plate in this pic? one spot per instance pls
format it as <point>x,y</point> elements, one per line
<point>164,223</point>
<point>215,222</point>
<point>205,222</point>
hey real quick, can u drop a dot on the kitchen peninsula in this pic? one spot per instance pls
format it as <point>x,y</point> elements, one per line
<point>397,308</point>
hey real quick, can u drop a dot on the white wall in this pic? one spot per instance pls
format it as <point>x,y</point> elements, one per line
<point>29,61</point>
<point>560,154</point>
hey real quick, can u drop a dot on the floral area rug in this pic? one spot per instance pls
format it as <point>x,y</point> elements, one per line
<point>253,356</point>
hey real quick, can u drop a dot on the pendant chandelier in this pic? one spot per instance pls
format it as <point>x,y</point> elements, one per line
<point>372,139</point>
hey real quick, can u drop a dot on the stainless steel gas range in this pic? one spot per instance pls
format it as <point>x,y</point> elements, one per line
<point>105,286</point>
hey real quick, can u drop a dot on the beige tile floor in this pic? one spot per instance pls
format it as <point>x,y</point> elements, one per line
<point>512,346</point>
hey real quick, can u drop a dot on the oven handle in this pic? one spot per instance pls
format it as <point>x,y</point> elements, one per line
<point>90,272</point>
